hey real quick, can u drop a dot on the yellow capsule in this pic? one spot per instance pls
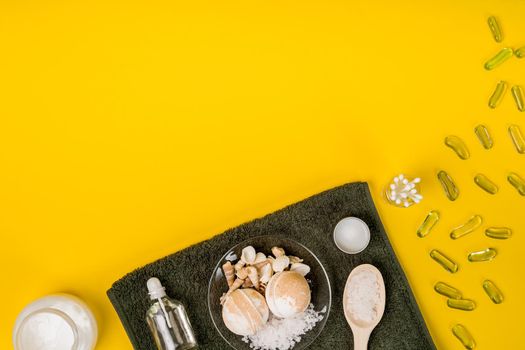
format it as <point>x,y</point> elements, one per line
<point>498,94</point>
<point>484,137</point>
<point>464,336</point>
<point>498,232</point>
<point>518,183</point>
<point>461,304</point>
<point>493,292</point>
<point>472,224</point>
<point>517,93</point>
<point>482,255</point>
<point>458,146</point>
<point>444,261</point>
<point>499,58</point>
<point>520,53</point>
<point>449,187</point>
<point>517,138</point>
<point>485,183</point>
<point>447,290</point>
<point>427,225</point>
<point>495,29</point>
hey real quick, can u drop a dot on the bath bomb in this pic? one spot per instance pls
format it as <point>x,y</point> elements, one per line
<point>287,294</point>
<point>245,311</point>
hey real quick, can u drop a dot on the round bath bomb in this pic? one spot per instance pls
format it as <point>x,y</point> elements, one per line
<point>287,294</point>
<point>245,311</point>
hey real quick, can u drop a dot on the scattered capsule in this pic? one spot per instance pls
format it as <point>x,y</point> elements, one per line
<point>495,29</point>
<point>517,138</point>
<point>461,304</point>
<point>499,58</point>
<point>485,184</point>
<point>427,225</point>
<point>518,183</point>
<point>472,224</point>
<point>458,146</point>
<point>444,261</point>
<point>447,290</point>
<point>464,336</point>
<point>520,53</point>
<point>493,292</point>
<point>484,136</point>
<point>482,255</point>
<point>498,94</point>
<point>517,93</point>
<point>498,232</point>
<point>449,187</point>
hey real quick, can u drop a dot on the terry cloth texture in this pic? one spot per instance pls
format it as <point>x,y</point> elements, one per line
<point>311,222</point>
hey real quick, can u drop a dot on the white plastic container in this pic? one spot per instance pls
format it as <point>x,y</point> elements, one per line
<point>55,322</point>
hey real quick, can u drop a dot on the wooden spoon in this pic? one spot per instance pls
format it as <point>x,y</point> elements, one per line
<point>360,328</point>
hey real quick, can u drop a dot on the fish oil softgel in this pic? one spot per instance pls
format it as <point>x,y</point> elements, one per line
<point>461,304</point>
<point>498,94</point>
<point>449,186</point>
<point>458,146</point>
<point>444,261</point>
<point>498,232</point>
<point>464,336</point>
<point>495,29</point>
<point>485,184</point>
<point>447,290</point>
<point>484,137</point>
<point>517,138</point>
<point>483,255</point>
<point>518,183</point>
<point>499,58</point>
<point>427,225</point>
<point>517,94</point>
<point>472,224</point>
<point>493,292</point>
<point>520,53</point>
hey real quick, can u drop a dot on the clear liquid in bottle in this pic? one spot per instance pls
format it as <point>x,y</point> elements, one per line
<point>168,321</point>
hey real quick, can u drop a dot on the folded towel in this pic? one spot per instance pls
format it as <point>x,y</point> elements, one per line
<point>310,222</point>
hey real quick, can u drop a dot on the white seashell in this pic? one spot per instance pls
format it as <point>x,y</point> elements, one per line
<point>266,273</point>
<point>301,268</point>
<point>242,273</point>
<point>248,255</point>
<point>259,258</point>
<point>277,252</point>
<point>253,276</point>
<point>281,263</point>
<point>295,259</point>
<point>239,265</point>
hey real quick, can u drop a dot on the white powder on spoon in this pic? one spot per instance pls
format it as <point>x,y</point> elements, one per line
<point>363,297</point>
<point>284,333</point>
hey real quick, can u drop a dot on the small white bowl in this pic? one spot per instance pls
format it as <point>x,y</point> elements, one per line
<point>351,235</point>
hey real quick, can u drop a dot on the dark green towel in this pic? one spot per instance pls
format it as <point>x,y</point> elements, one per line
<point>310,222</point>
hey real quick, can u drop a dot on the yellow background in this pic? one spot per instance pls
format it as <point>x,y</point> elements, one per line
<point>130,130</point>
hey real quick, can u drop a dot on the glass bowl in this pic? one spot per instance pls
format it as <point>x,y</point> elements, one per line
<point>317,279</point>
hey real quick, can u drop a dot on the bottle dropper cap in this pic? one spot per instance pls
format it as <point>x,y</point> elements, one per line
<point>155,288</point>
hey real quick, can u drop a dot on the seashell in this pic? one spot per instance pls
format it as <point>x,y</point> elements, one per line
<point>301,268</point>
<point>265,273</point>
<point>229,273</point>
<point>295,259</point>
<point>253,276</point>
<point>277,252</point>
<point>242,273</point>
<point>239,265</point>
<point>259,258</point>
<point>281,263</point>
<point>236,285</point>
<point>261,264</point>
<point>248,255</point>
<point>262,288</point>
<point>247,283</point>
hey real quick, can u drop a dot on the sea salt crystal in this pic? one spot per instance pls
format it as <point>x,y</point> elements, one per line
<point>363,296</point>
<point>284,333</point>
